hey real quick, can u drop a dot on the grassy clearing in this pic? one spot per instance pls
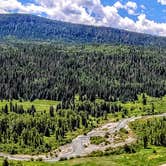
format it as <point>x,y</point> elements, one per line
<point>134,108</point>
<point>145,157</point>
<point>40,105</point>
<point>137,108</point>
<point>154,156</point>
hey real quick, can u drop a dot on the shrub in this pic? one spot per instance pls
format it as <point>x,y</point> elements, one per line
<point>63,159</point>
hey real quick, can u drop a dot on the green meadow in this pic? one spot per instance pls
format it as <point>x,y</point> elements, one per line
<point>134,108</point>
<point>40,105</point>
<point>153,156</point>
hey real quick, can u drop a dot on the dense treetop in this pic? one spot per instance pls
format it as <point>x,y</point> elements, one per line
<point>58,72</point>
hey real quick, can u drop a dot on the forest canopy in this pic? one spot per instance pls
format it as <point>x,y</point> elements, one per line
<point>59,72</point>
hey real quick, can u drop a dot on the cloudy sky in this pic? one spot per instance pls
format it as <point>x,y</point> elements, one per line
<point>147,16</point>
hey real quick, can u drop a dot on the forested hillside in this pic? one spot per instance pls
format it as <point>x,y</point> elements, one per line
<point>30,27</point>
<point>58,72</point>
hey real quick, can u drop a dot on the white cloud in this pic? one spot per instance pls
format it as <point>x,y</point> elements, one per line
<point>148,26</point>
<point>163,2</point>
<point>91,12</point>
<point>9,5</point>
<point>118,5</point>
<point>12,5</point>
<point>2,11</point>
<point>143,7</point>
<point>130,6</point>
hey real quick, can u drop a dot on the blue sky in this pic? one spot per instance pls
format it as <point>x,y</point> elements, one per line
<point>145,16</point>
<point>154,10</point>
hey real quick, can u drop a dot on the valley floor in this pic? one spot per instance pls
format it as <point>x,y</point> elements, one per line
<point>109,135</point>
<point>82,146</point>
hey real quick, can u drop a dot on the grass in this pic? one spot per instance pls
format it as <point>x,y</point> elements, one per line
<point>142,158</point>
<point>121,135</point>
<point>159,103</point>
<point>40,105</point>
<point>154,156</point>
<point>136,108</point>
<point>97,140</point>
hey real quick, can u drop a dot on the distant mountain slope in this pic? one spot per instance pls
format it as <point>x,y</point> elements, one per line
<point>31,27</point>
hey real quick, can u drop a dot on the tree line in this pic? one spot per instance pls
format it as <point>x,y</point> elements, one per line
<point>151,131</point>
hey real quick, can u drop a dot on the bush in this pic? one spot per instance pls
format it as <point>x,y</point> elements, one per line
<point>39,159</point>
<point>154,151</point>
<point>97,140</point>
<point>107,135</point>
<point>96,153</point>
<point>123,130</point>
<point>63,159</point>
<point>5,162</point>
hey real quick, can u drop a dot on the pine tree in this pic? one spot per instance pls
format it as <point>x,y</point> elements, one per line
<point>51,111</point>
<point>5,162</point>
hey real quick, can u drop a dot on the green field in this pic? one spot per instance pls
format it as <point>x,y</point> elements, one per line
<point>154,156</point>
<point>137,108</point>
<point>40,105</point>
<point>134,108</point>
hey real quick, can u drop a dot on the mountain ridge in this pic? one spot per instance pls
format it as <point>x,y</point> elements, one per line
<point>25,26</point>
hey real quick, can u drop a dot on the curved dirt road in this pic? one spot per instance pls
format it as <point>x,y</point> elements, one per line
<point>81,146</point>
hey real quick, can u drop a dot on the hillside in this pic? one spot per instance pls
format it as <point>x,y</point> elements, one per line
<point>31,27</point>
<point>59,72</point>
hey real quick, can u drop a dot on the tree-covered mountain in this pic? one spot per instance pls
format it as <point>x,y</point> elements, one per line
<point>32,27</point>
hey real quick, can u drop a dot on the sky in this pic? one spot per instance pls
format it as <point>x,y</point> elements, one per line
<point>145,16</point>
